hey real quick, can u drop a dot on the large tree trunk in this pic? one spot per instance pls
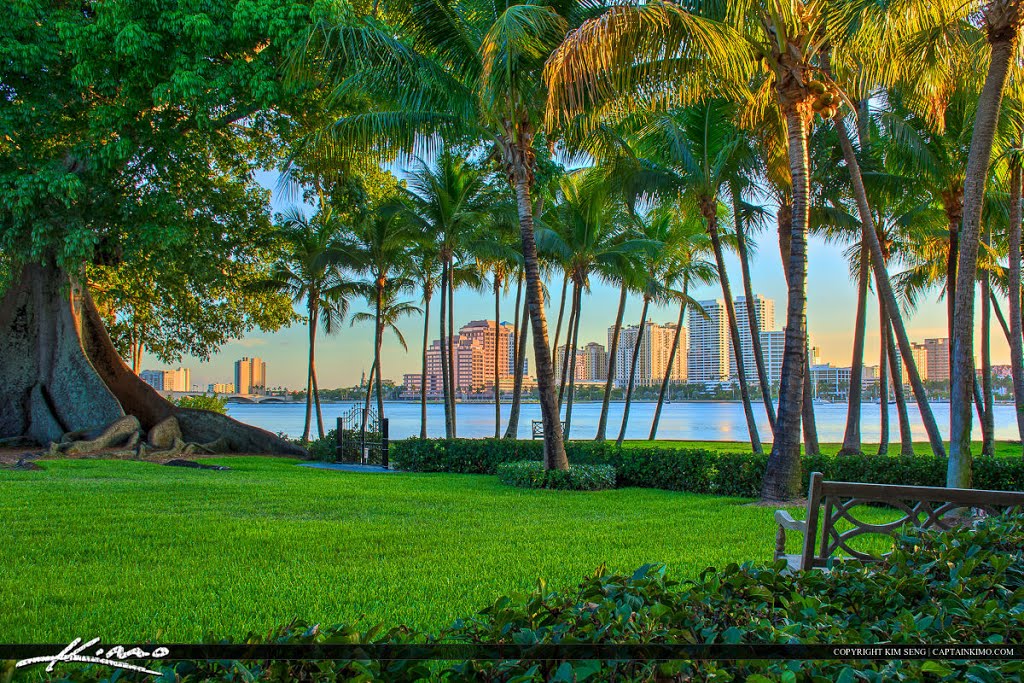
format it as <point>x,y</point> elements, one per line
<point>554,445</point>
<point>60,373</point>
<point>446,381</point>
<point>782,478</point>
<point>1015,337</point>
<point>613,349</point>
<point>575,333</point>
<point>512,428</point>
<point>631,381</point>
<point>753,323</point>
<point>886,294</point>
<point>851,438</point>
<point>1002,19</point>
<point>671,361</point>
<point>423,371</point>
<point>734,331</point>
<point>497,343</point>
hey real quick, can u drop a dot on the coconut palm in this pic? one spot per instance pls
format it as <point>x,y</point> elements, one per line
<point>312,273</point>
<point>462,70</point>
<point>425,270</point>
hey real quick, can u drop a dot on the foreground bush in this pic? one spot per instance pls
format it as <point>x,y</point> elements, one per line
<point>962,587</point>
<point>697,470</point>
<point>531,474</point>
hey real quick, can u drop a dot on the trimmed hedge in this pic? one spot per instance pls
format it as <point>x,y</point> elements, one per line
<point>697,470</point>
<point>530,474</point>
<point>937,588</point>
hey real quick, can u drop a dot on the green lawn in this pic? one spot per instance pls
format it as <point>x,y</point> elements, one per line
<point>133,550</point>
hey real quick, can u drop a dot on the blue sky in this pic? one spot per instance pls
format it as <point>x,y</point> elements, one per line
<point>343,357</point>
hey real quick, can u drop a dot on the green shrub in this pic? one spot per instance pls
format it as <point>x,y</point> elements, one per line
<point>325,449</point>
<point>216,404</point>
<point>938,588</point>
<point>531,474</point>
<point>697,470</point>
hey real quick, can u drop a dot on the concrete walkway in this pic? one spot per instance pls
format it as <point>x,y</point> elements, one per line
<point>348,467</point>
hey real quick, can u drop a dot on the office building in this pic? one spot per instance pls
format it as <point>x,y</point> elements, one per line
<point>168,380</point>
<point>709,346</point>
<point>764,309</point>
<point>220,388</point>
<point>473,359</point>
<point>937,351</point>
<point>251,376</point>
<point>653,359</point>
<point>595,362</point>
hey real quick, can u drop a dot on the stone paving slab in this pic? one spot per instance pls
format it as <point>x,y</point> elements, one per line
<point>348,467</point>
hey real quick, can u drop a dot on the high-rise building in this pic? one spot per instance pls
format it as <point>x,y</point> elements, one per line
<point>653,359</point>
<point>764,309</point>
<point>937,352</point>
<point>709,349</point>
<point>250,376</point>
<point>168,380</point>
<point>773,345</point>
<point>595,362</point>
<point>473,359</point>
<point>220,388</point>
<point>154,378</point>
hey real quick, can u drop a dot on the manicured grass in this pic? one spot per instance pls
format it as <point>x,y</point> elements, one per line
<point>133,550</point>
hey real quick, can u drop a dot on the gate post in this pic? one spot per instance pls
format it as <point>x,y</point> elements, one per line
<point>384,443</point>
<point>339,438</point>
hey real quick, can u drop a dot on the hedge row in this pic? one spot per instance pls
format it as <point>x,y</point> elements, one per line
<point>697,470</point>
<point>936,588</point>
<point>530,474</point>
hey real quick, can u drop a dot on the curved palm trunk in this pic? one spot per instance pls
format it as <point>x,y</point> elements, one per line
<point>369,395</point>
<point>883,385</point>
<point>572,368</point>
<point>671,361</point>
<point>869,235</point>
<point>319,412</point>
<point>561,310</point>
<point>554,445</point>
<point>497,343</point>
<point>446,381</point>
<point>423,371</point>
<point>631,382</point>
<point>1015,335</point>
<point>782,480</point>
<point>451,349</point>
<point>734,330</point>
<point>512,429</point>
<point>906,438</point>
<point>754,327</point>
<point>1003,22</point>
<point>613,350</point>
<point>378,340</point>
<point>998,311</point>
<point>851,438</point>
<point>988,428</point>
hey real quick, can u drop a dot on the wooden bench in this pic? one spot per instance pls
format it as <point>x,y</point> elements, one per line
<point>927,507</point>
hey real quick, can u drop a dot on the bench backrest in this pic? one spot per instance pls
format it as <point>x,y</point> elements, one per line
<point>923,507</point>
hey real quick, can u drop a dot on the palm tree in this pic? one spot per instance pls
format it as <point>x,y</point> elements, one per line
<point>470,71</point>
<point>426,272</point>
<point>519,334</point>
<point>312,273</point>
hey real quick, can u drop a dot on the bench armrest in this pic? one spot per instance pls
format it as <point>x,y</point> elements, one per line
<point>786,521</point>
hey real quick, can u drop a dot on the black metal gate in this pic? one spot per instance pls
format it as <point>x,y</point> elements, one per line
<point>362,441</point>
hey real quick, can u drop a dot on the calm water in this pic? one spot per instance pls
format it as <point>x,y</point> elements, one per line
<point>698,421</point>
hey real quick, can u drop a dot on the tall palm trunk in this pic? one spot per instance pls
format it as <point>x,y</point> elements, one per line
<point>906,438</point>
<point>369,394</point>
<point>451,348</point>
<point>561,310</point>
<point>883,385</point>
<point>497,343</point>
<point>512,429</point>
<point>734,330</point>
<point>810,425</point>
<point>632,371</point>
<point>423,371</point>
<point>311,330</point>
<point>988,428</point>
<point>671,361</point>
<point>998,311</point>
<point>564,374</point>
<point>851,438</point>
<point>572,368</point>
<point>782,478</point>
<point>613,350</point>
<point>377,342</point>
<point>753,324</point>
<point>554,445</point>
<point>1002,18</point>
<point>316,400</point>
<point>446,381</point>
<point>1016,338</point>
<point>877,259</point>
